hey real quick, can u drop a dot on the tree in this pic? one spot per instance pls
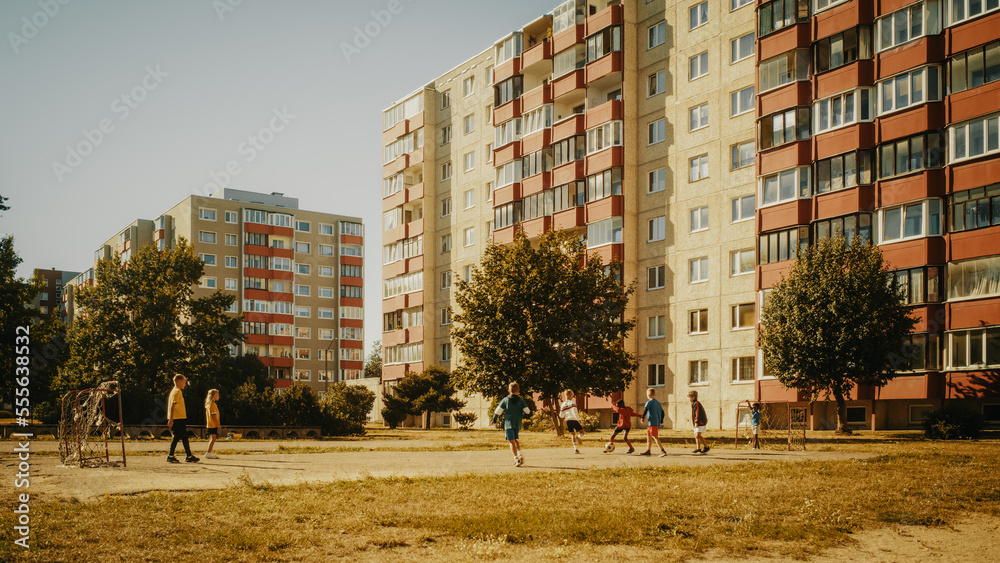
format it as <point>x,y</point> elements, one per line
<point>394,410</point>
<point>373,364</point>
<point>547,317</point>
<point>346,408</point>
<point>428,392</point>
<point>140,325</point>
<point>15,296</point>
<point>836,321</point>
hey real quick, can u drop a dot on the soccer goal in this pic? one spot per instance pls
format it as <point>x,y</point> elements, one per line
<point>782,426</point>
<point>85,429</point>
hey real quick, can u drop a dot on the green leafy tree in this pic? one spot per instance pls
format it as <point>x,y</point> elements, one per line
<point>373,364</point>
<point>15,294</point>
<point>394,410</point>
<point>346,409</point>
<point>234,372</point>
<point>428,392</point>
<point>836,321</point>
<point>141,324</point>
<point>545,317</point>
<point>298,405</point>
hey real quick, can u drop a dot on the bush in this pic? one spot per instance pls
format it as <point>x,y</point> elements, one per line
<point>952,423</point>
<point>395,411</point>
<point>590,422</point>
<point>465,420</point>
<point>345,409</point>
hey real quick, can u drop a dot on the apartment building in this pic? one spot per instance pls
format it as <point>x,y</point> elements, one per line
<point>297,277</point>
<point>629,123</point>
<point>879,119</point>
<point>49,301</point>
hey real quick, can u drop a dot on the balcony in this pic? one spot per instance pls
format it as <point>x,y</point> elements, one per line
<point>507,194</point>
<point>537,55</point>
<point>608,253</point>
<point>605,208</point>
<point>506,70</point>
<point>604,66</point>
<point>535,98</point>
<point>839,141</point>
<point>608,111</point>
<point>786,156</point>
<point>536,141</point>
<point>611,15</point>
<point>784,215</point>
<point>602,160</point>
<point>917,252</point>
<point>568,127</point>
<point>974,102</point>
<point>970,314</point>
<point>974,244</point>
<point>568,37</point>
<point>537,227</point>
<point>912,121</point>
<point>568,172</point>
<point>402,128</point>
<point>779,99</point>
<point>536,184</point>
<point>508,111</point>
<point>504,235</point>
<point>276,362</point>
<point>793,37</point>
<point>968,175</point>
<point>569,219</point>
<point>396,166</point>
<point>920,185</point>
<point>845,202</point>
<point>860,73</point>
<point>507,153</point>
<point>930,49</point>
<point>569,82</point>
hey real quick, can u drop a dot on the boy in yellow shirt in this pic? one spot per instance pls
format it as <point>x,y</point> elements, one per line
<point>177,420</point>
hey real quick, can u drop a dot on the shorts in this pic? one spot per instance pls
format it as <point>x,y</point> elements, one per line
<point>653,431</point>
<point>212,431</point>
<point>756,428</point>
<point>511,433</point>
<point>574,426</point>
<point>699,430</point>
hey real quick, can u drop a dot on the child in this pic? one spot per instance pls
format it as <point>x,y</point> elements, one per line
<point>625,415</point>
<point>513,409</point>
<point>699,419</point>
<point>653,414</point>
<point>568,411</point>
<point>755,424</point>
<point>212,421</point>
<point>177,420</point>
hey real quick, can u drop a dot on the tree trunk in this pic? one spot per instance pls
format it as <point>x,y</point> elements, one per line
<point>427,419</point>
<point>841,414</point>
<point>556,421</point>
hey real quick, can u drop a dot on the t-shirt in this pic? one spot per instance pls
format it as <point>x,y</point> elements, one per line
<point>176,398</point>
<point>625,415</point>
<point>698,416</point>
<point>755,418</point>
<point>654,413</point>
<point>514,409</point>
<point>211,409</point>
<point>568,410</point>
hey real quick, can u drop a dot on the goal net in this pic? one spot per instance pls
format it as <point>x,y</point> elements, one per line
<point>85,429</point>
<point>782,426</point>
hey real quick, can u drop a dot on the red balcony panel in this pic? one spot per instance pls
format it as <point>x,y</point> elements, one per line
<point>282,340</point>
<point>912,253</point>
<point>535,184</point>
<point>839,141</point>
<point>414,228</point>
<point>416,122</point>
<point>352,344</point>
<point>506,112</point>
<point>275,362</point>
<point>784,215</point>
<point>608,111</point>
<point>504,235</point>
<point>845,202</point>
<point>256,249</point>
<point>788,96</point>
<point>566,128</point>
<point>889,6</point>
<point>912,121</point>
<point>845,16</point>
<point>352,260</point>
<point>393,372</point>
<point>394,201</point>
<point>974,174</point>
<point>974,244</point>
<point>567,38</point>
<point>568,83</point>
<point>285,297</point>
<point>394,303</point>
<point>351,302</point>
<point>784,157</point>
<point>260,294</point>
<point>351,280</point>
<point>605,208</point>
<point>396,166</point>
<point>351,239</point>
<point>282,253</point>
<point>159,234</point>
<point>930,317</point>
<point>607,158</point>
<point>769,274</point>
<point>395,132</point>
<point>972,33</point>
<point>256,228</point>
<point>415,264</point>
<point>415,334</point>
<point>568,173</point>
<point>792,37</point>
<point>608,16</point>
<point>974,103</point>
<point>537,227</point>
<point>929,183</point>
<point>395,269</point>
<point>569,219</point>
<point>279,275</point>
<point>281,319</point>
<point>257,339</point>
<point>414,299</point>
<point>773,390</point>
<point>929,49</point>
<point>919,386</point>
<point>604,66</point>
<point>256,272</point>
<point>506,70</point>
<point>536,141</point>
<point>393,338</point>
<point>507,153</point>
<point>972,384</point>
<point>507,194</point>
<point>974,314</point>
<point>537,54</point>
<point>861,73</point>
<point>536,98</point>
<point>283,231</point>
<point>608,253</point>
<point>251,317</point>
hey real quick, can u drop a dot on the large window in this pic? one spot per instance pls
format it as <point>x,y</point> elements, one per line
<point>919,285</point>
<point>743,316</point>
<point>741,262</point>
<point>910,155</point>
<point>843,48</point>
<point>912,22</point>
<point>782,245</point>
<point>974,138</point>
<point>779,14</point>
<point>961,10</point>
<point>975,67</point>
<point>401,111</point>
<point>535,206</point>
<point>844,171</point>
<point>742,155</point>
<point>784,69</point>
<point>794,183</point>
<point>537,119</point>
<point>508,174</point>
<point>507,91</point>
<point>568,196</point>
<point>604,136</point>
<point>847,226</point>
<point>569,60</point>
<point>604,42</point>
<point>507,132</point>
<point>743,208</point>
<point>741,48</point>
<point>536,163</point>
<point>784,127</point>
<point>698,15</point>
<point>403,145</point>
<point>921,352</point>
<point>975,209</point>
<point>971,279</point>
<point>608,231</point>
<point>909,89</point>
<point>974,348</point>
<point>843,109</point>
<point>566,15</point>
<point>910,220</point>
<point>569,150</point>
<point>507,49</point>
<point>744,369</point>
<point>507,215</point>
<point>604,184</point>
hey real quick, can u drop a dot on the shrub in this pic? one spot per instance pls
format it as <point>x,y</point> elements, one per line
<point>590,422</point>
<point>952,423</point>
<point>345,409</point>
<point>395,411</point>
<point>465,420</point>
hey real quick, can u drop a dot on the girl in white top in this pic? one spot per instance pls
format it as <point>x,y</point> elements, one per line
<point>569,412</point>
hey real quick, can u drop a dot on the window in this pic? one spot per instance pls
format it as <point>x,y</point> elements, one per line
<point>605,184</point>
<point>699,219</point>
<point>470,199</point>
<point>919,285</point>
<point>844,171</point>
<point>325,229</point>
<point>206,237</point>
<point>961,10</point>
<point>698,15</point>
<point>743,316</point>
<point>327,293</point>
<point>446,352</point>
<point>698,270</point>
<point>206,214</point>
<point>506,215</point>
<point>302,312</point>
<point>656,375</point>
<point>974,68</point>
<point>975,348</point>
<point>404,145</point>
<point>741,48</point>
<point>402,250</point>
<point>656,35</point>
<point>843,109</point>
<point>470,161</point>
<point>744,369</point>
<point>232,240</point>
<point>657,181</point>
<point>445,244</point>
<point>467,273</point>
<point>604,42</point>
<point>782,245</point>
<point>302,269</point>
<point>403,110</point>
<point>508,132</point>
<point>848,226</point>
<point>324,313</point>
<point>783,69</point>
<point>445,316</point>
<point>743,208</point>
<point>742,155</point>
<point>568,196</point>
<point>231,217</point>
<point>349,270</point>
<point>470,236</point>
<point>841,49</point>
<point>536,163</point>
<point>208,259</point>
<point>301,226</point>
<point>446,171</point>
<point>742,262</point>
<point>783,127</point>
<point>446,207</point>
<point>910,155</point>
<point>974,138</point>
<point>698,168</point>
<point>325,249</point>
<point>786,185</point>
<point>699,372</point>
<point>736,4</point>
<point>446,135</point>
<point>232,284</point>
<point>698,66</point>
<point>209,282</point>
<point>510,48</point>
<point>568,150</point>
<point>508,174</point>
<point>697,117</point>
<point>779,14</point>
<point>302,290</point>
<point>445,280</point>
<point>608,231</point>
<point>327,271</point>
<point>972,279</point>
<point>405,283</point>
<point>741,101</point>
<point>446,99</point>
<point>657,229</point>
<point>469,123</point>
<point>656,277</point>
<point>489,74</point>
<point>657,83</point>
<point>351,291</point>
<point>565,62</point>
<point>507,91</point>
<point>975,209</point>
<point>658,130</point>
<point>605,136</point>
<point>656,326</point>
<point>916,20</point>
<point>909,89</point>
<point>469,86</point>
<point>824,4</point>
<point>538,205</point>
<point>231,262</point>
<point>698,321</point>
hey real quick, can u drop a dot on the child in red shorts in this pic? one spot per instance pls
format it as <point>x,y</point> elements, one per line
<point>625,415</point>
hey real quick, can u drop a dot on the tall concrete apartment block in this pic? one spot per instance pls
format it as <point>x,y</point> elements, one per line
<point>50,300</point>
<point>629,123</point>
<point>297,277</point>
<point>879,120</point>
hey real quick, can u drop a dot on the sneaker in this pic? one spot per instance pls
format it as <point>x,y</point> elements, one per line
<point>576,451</point>
<point>705,451</point>
<point>520,458</point>
<point>698,451</point>
<point>663,454</point>
<point>646,453</point>
<point>191,459</point>
<point>210,455</point>
<point>172,459</point>
<point>517,462</point>
<point>630,450</point>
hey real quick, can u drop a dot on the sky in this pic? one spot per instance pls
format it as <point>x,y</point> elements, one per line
<point>117,110</point>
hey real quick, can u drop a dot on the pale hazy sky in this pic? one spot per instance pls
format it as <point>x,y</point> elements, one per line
<point>198,77</point>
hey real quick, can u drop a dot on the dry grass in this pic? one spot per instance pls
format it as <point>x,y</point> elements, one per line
<point>782,508</point>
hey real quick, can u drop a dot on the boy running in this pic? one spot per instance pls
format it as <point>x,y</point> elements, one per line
<point>700,420</point>
<point>569,412</point>
<point>653,414</point>
<point>513,408</point>
<point>625,415</point>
